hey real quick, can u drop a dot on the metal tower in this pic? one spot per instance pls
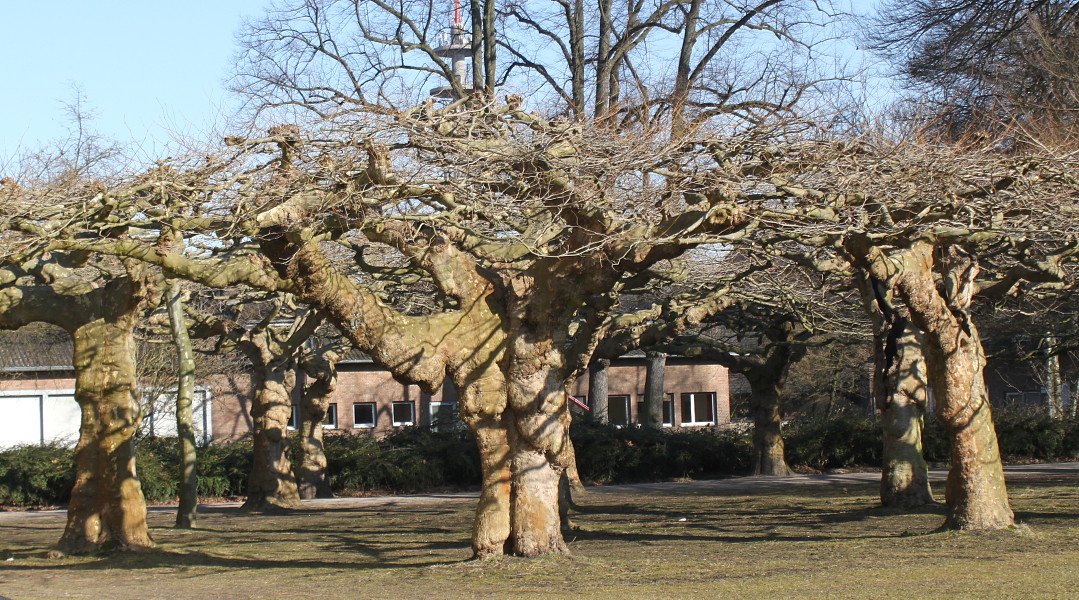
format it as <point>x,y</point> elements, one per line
<point>458,49</point>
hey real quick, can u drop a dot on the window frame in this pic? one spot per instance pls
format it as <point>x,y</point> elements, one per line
<point>374,415</point>
<point>692,396</point>
<point>393,415</point>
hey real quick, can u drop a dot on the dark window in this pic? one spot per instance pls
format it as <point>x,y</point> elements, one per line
<point>443,414</point>
<point>404,413</point>
<point>363,414</point>
<point>618,410</point>
<point>294,417</point>
<point>668,410</point>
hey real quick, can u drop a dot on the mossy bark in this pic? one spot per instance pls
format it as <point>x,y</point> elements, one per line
<point>107,509</point>
<point>187,486</point>
<point>654,394</point>
<point>271,484</point>
<point>768,449</point>
<point>904,474</point>
<point>311,463</point>
<point>900,390</point>
<point>598,388</point>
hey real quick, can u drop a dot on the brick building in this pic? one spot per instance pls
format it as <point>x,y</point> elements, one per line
<point>37,387</point>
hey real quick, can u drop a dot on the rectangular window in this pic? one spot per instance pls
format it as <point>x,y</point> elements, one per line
<point>668,411</point>
<point>330,420</point>
<point>618,410</point>
<point>404,413</point>
<point>698,408</point>
<point>443,414</point>
<point>294,417</point>
<point>363,414</point>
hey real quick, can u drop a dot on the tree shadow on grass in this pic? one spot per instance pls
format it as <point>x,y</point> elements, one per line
<point>158,559</point>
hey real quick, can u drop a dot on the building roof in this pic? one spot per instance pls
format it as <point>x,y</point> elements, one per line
<point>35,349</point>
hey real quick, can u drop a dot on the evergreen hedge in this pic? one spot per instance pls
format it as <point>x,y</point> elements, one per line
<point>418,459</point>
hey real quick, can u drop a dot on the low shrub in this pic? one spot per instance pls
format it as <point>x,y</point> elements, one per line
<point>840,442</point>
<point>36,476</point>
<point>409,460</point>
<point>610,454</point>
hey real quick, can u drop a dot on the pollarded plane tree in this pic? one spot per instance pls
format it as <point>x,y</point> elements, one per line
<point>935,227</point>
<point>98,303</point>
<point>524,227</point>
<point>270,333</point>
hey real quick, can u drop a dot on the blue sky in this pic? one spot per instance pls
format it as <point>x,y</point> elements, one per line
<point>145,68</point>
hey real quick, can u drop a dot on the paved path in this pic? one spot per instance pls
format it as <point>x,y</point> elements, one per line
<point>734,484</point>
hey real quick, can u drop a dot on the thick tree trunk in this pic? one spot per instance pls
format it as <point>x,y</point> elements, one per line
<point>654,394</point>
<point>976,495</point>
<point>597,388</point>
<point>311,463</point>
<point>905,476</point>
<point>491,527</point>
<point>536,522</point>
<point>900,389</point>
<point>271,483</point>
<point>107,509</point>
<point>187,511</point>
<point>768,452</point>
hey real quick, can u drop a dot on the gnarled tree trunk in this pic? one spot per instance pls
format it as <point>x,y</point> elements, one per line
<point>902,399</point>
<point>311,476</point>
<point>271,483</point>
<point>187,511</point>
<point>976,495</point>
<point>107,508</point>
<point>900,390</point>
<point>768,451</point>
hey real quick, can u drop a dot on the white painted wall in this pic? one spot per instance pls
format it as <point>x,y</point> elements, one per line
<point>45,416</point>
<point>39,416</point>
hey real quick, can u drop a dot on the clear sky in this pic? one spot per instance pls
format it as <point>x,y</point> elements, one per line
<point>145,68</point>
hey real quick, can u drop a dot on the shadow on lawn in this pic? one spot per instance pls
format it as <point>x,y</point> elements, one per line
<point>158,558</point>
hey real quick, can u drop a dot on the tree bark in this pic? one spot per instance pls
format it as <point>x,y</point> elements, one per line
<point>107,509</point>
<point>904,474</point>
<point>271,484</point>
<point>311,476</point>
<point>768,450</point>
<point>975,494</point>
<point>598,389</point>
<point>187,511</point>
<point>654,393</point>
<point>900,390</point>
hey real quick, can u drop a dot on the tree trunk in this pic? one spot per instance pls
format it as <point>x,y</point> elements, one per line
<point>654,394</point>
<point>1053,382</point>
<point>597,389</point>
<point>976,495</point>
<point>900,390</point>
<point>187,511</point>
<point>768,456</point>
<point>902,399</point>
<point>536,522</point>
<point>107,509</point>
<point>271,483</point>
<point>311,469</point>
<point>491,527</point>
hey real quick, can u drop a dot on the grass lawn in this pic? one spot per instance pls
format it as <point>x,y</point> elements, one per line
<point>674,541</point>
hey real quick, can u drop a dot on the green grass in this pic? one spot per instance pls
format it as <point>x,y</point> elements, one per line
<point>804,541</point>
